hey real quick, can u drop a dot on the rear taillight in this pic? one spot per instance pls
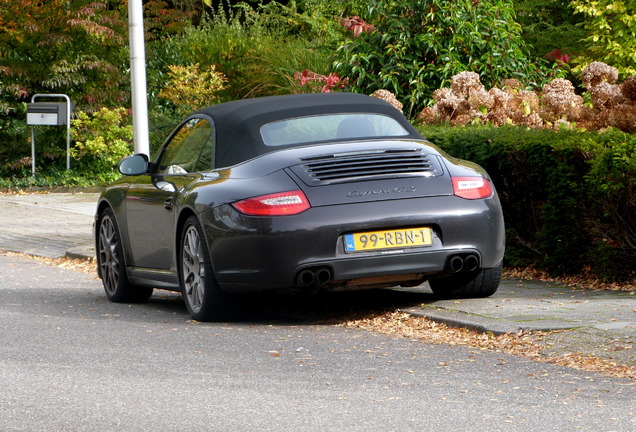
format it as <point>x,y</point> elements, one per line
<point>471,187</point>
<point>278,204</point>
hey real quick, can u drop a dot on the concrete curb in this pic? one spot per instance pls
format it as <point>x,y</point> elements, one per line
<point>483,324</point>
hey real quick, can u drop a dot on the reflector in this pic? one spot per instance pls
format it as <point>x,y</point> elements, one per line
<point>471,187</point>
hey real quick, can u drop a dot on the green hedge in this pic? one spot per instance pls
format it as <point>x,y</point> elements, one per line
<point>569,197</point>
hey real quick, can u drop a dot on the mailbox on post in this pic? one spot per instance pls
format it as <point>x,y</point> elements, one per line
<point>50,114</point>
<point>47,114</point>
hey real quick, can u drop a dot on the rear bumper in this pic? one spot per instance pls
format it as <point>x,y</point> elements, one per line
<point>259,253</point>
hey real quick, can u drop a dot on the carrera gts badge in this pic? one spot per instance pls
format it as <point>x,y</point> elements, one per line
<point>403,189</point>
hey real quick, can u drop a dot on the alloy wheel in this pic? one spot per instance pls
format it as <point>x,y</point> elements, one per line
<point>108,257</point>
<point>193,269</point>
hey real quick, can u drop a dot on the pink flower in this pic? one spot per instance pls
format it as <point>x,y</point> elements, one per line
<point>558,56</point>
<point>303,77</point>
<point>356,25</point>
<point>329,82</point>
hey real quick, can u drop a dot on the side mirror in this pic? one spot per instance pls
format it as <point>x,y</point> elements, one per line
<point>134,165</point>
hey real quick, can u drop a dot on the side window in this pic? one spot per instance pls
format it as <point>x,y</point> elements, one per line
<point>191,149</point>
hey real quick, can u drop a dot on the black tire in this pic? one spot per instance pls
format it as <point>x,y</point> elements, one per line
<point>203,297</point>
<point>111,265</point>
<point>478,284</point>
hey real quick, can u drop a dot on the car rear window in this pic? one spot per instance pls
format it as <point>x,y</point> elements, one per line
<point>332,127</point>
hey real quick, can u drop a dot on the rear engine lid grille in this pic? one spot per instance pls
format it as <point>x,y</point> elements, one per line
<point>367,165</point>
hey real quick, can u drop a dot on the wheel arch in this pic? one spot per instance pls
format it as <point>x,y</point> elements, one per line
<point>101,206</point>
<point>186,212</point>
<point>122,228</point>
<point>116,283</point>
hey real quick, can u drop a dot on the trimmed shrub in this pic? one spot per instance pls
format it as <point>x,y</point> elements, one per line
<point>569,197</point>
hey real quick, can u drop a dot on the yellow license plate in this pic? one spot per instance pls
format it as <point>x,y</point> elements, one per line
<point>399,238</point>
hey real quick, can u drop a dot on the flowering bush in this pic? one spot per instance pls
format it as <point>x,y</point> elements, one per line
<point>356,25</point>
<point>560,103</point>
<point>598,72</point>
<point>559,57</point>
<point>556,106</point>
<point>389,97</point>
<point>314,81</point>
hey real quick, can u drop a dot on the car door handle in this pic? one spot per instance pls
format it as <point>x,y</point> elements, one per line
<point>168,204</point>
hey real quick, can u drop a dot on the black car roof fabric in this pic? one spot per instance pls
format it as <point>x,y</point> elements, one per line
<point>238,123</point>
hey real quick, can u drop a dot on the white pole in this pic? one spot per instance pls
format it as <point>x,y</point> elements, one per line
<point>138,76</point>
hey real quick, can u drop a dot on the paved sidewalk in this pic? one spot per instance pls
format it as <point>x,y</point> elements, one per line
<point>49,225</point>
<point>602,323</point>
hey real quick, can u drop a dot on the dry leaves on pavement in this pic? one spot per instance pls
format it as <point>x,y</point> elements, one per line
<point>526,344</point>
<point>581,281</point>
<point>80,265</point>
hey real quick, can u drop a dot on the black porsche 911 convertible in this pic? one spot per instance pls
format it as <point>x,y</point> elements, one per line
<point>335,191</point>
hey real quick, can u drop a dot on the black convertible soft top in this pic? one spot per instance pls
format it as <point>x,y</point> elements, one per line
<point>238,123</point>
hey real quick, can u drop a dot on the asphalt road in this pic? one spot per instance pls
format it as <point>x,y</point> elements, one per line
<point>598,323</point>
<point>72,361</point>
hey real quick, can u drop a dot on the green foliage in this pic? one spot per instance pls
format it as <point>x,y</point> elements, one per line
<point>613,169</point>
<point>14,139</point>
<point>314,20</point>
<point>15,143</point>
<point>190,88</point>
<point>54,176</point>
<point>245,46</point>
<point>274,71</point>
<point>161,19</point>
<point>548,25</point>
<point>611,189</point>
<point>566,195</point>
<point>74,47</point>
<point>416,46</point>
<point>225,42</point>
<point>89,170</point>
<point>160,123</point>
<point>102,139</point>
<point>610,26</point>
